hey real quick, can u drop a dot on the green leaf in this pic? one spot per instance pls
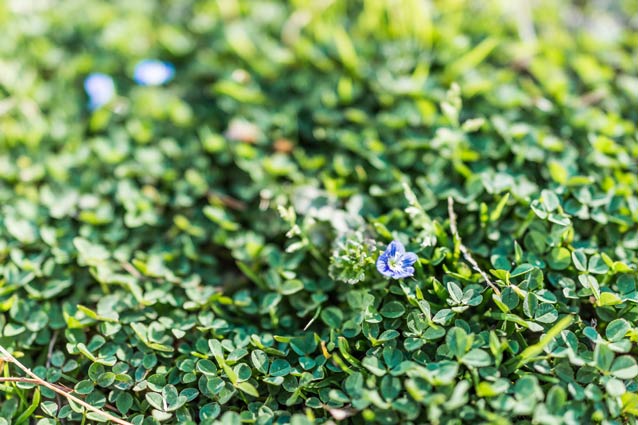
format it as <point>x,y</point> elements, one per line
<point>209,411</point>
<point>456,293</point>
<point>332,316</point>
<point>106,379</point>
<point>496,212</point>
<point>617,329</point>
<point>608,299</point>
<point>580,260</point>
<point>603,357</point>
<point>124,402</point>
<point>260,361</point>
<point>476,358</point>
<point>559,258</point>
<point>530,305</point>
<point>291,287</point>
<point>510,298</point>
<point>373,365</point>
<point>89,253</point>
<point>346,50</point>
<point>170,395</point>
<point>215,384</point>
<point>597,265</point>
<point>248,389</point>
<point>392,309</point>
<point>84,387</point>
<point>388,336</point>
<point>546,313</point>
<point>280,367</point>
<point>558,172</point>
<point>624,367</point>
<point>457,342</point>
<point>630,403</point>
<point>155,400</point>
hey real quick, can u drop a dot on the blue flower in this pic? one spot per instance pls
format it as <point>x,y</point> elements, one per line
<point>153,72</point>
<point>100,89</point>
<point>394,262</point>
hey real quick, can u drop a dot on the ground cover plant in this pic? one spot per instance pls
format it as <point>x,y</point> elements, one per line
<point>318,211</point>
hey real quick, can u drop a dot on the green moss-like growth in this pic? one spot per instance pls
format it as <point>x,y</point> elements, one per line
<point>204,250</point>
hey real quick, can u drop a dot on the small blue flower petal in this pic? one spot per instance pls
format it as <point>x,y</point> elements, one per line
<point>152,72</point>
<point>395,263</point>
<point>395,248</point>
<point>391,250</point>
<point>382,267</point>
<point>99,88</point>
<point>408,259</point>
<point>407,272</point>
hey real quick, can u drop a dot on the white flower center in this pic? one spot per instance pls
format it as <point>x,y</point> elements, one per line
<point>394,264</point>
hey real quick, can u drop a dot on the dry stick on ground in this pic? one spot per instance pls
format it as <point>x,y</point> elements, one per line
<point>54,338</point>
<point>130,268</point>
<point>31,381</point>
<point>39,381</point>
<point>466,252</point>
<point>19,379</point>
<point>228,200</point>
<point>51,346</point>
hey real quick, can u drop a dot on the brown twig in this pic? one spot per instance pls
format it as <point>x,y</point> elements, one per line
<point>592,98</point>
<point>26,381</point>
<point>228,200</point>
<point>51,346</point>
<point>54,338</point>
<point>130,268</point>
<point>466,252</point>
<point>37,382</point>
<point>35,379</point>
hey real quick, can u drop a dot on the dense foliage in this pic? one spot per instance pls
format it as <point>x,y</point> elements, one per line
<point>204,250</point>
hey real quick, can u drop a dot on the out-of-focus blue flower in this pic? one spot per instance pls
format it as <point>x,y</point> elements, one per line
<point>153,72</point>
<point>99,88</point>
<point>394,262</point>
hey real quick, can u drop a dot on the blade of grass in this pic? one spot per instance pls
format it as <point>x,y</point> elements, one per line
<point>35,402</point>
<point>471,59</point>
<point>532,351</point>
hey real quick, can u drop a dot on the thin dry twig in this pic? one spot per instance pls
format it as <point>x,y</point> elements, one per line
<point>37,382</point>
<point>54,338</point>
<point>592,97</point>
<point>228,200</point>
<point>51,346</point>
<point>466,252</point>
<point>314,317</point>
<point>130,268</point>
<point>26,381</point>
<point>35,379</point>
